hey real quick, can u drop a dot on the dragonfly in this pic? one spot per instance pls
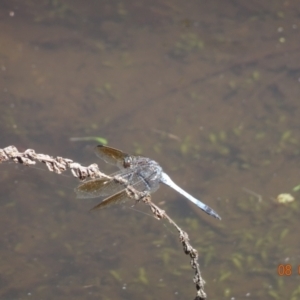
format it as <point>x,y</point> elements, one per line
<point>142,173</point>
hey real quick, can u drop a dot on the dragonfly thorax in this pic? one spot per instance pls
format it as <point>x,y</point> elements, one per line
<point>149,172</point>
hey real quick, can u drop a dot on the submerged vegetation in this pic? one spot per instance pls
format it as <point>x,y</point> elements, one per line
<point>188,43</point>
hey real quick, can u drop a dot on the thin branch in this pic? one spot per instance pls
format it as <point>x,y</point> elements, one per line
<point>60,164</point>
<point>187,248</point>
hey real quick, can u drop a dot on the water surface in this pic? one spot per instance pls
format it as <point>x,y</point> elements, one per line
<point>209,90</point>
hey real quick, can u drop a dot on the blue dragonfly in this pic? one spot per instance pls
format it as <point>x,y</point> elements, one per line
<point>142,173</point>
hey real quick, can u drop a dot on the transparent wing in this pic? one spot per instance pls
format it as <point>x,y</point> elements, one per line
<point>103,187</point>
<point>118,198</point>
<point>111,155</point>
<point>97,187</point>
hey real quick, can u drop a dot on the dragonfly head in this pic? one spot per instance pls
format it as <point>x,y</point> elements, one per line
<point>127,162</point>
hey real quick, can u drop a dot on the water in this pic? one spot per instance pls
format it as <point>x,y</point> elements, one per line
<point>222,79</point>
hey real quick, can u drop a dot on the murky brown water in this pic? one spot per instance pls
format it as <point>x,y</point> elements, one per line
<point>208,89</point>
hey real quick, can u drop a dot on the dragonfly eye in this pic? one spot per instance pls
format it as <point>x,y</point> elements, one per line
<point>127,162</point>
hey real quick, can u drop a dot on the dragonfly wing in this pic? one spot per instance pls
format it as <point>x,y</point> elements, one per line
<point>98,187</point>
<point>103,187</point>
<point>141,183</point>
<point>111,155</point>
<point>117,198</point>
